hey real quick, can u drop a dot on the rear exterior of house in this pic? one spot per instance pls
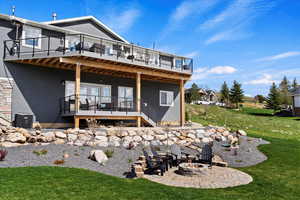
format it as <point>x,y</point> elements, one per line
<point>296,101</point>
<point>64,71</point>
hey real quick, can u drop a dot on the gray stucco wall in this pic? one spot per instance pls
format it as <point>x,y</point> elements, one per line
<point>89,27</point>
<point>39,90</point>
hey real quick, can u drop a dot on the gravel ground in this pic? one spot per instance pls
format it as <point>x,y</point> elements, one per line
<point>118,165</point>
<point>247,154</point>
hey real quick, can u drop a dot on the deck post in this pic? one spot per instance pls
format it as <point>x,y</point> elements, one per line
<point>138,97</point>
<point>182,103</point>
<point>77,93</point>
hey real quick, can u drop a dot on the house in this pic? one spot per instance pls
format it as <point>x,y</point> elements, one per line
<point>204,94</point>
<point>296,101</point>
<point>65,71</point>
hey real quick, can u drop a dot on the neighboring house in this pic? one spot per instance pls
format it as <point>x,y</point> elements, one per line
<point>296,101</point>
<point>205,95</point>
<point>67,70</point>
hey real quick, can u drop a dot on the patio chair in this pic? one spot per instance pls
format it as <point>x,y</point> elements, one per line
<point>154,164</point>
<point>167,159</point>
<point>177,155</point>
<point>206,155</point>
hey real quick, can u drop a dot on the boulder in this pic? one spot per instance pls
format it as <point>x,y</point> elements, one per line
<point>100,133</point>
<point>242,133</point>
<point>191,135</point>
<point>205,140</point>
<point>78,143</point>
<point>84,137</point>
<point>225,133</point>
<point>101,138</point>
<point>137,138</point>
<point>72,137</point>
<point>81,131</point>
<point>122,133</point>
<point>156,143</point>
<point>98,156</point>
<point>49,136</point>
<point>114,143</point>
<point>161,137</point>
<point>24,132</point>
<point>59,141</point>
<point>9,144</point>
<point>101,143</point>
<point>132,133</point>
<point>60,134</point>
<point>168,142</point>
<point>16,137</point>
<point>114,138</point>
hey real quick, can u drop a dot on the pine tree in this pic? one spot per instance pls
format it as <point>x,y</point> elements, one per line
<point>236,94</point>
<point>295,84</point>
<point>224,93</point>
<point>273,99</point>
<point>195,96</point>
<point>284,88</point>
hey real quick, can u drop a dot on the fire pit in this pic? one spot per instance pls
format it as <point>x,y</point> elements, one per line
<point>191,169</point>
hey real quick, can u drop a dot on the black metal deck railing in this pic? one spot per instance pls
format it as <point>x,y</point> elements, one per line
<point>95,103</point>
<point>100,47</point>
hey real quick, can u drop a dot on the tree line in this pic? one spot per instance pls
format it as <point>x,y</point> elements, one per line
<point>234,95</point>
<point>280,96</point>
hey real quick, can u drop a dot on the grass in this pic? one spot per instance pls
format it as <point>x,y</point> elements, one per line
<point>275,179</point>
<point>40,152</point>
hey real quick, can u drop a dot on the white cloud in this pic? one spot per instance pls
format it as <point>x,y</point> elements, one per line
<point>122,22</point>
<point>232,22</point>
<point>280,56</point>
<point>184,11</point>
<point>118,16</point>
<point>266,79</point>
<point>222,70</point>
<point>204,72</point>
<point>192,54</point>
<point>191,7</point>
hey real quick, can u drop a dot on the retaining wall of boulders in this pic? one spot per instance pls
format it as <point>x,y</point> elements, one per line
<point>11,136</point>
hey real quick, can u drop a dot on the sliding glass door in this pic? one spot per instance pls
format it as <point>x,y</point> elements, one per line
<point>125,97</point>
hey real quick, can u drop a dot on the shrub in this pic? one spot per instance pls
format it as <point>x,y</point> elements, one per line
<point>129,160</point>
<point>109,153</point>
<point>59,162</point>
<point>3,154</point>
<point>40,152</point>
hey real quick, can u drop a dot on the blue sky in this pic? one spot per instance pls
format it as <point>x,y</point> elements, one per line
<point>255,42</point>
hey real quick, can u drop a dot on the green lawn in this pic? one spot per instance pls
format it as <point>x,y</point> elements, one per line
<point>276,178</point>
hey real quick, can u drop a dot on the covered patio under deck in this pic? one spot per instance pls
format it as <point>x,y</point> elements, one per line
<point>99,66</point>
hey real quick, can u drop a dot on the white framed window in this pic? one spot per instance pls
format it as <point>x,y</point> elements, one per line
<point>90,91</point>
<point>166,98</point>
<point>31,37</point>
<point>125,97</point>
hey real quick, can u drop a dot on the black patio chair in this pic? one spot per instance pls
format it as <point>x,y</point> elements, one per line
<point>154,164</point>
<point>166,158</point>
<point>206,155</point>
<point>177,155</point>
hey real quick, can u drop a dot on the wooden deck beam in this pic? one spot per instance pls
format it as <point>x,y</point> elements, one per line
<point>182,103</point>
<point>138,97</point>
<point>124,68</point>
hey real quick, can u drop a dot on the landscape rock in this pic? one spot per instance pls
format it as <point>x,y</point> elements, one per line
<point>61,135</point>
<point>100,133</point>
<point>242,133</point>
<point>98,156</point>
<point>59,141</point>
<point>16,138</point>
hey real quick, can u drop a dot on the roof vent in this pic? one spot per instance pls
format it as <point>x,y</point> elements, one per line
<point>54,15</point>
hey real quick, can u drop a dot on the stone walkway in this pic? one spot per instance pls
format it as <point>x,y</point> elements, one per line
<point>217,177</point>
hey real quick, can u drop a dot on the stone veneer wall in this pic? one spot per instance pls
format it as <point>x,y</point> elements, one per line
<point>5,98</point>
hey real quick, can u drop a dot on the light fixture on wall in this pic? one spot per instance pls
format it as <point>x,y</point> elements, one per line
<point>63,82</point>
